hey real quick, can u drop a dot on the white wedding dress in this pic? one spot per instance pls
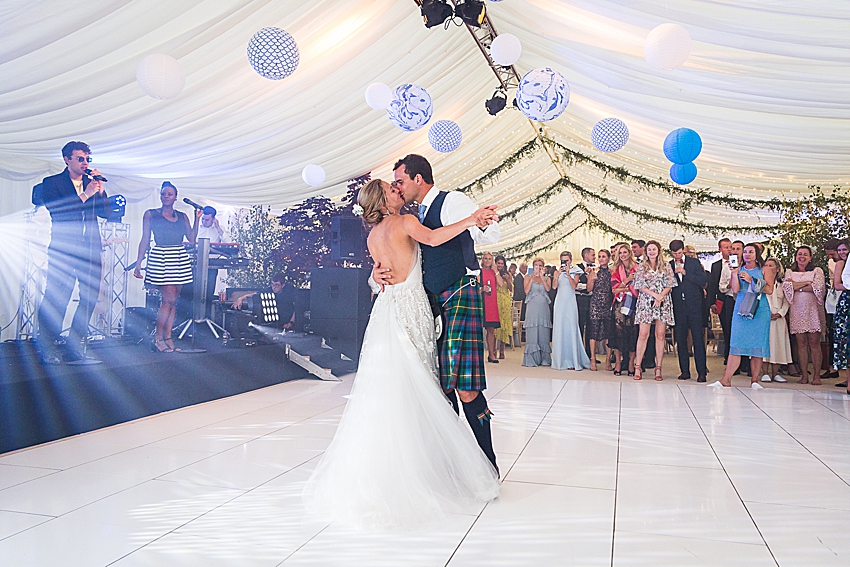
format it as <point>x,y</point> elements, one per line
<point>400,457</point>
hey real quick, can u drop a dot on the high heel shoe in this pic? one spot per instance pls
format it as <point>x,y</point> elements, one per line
<point>170,344</point>
<point>638,373</point>
<point>658,374</point>
<point>155,346</point>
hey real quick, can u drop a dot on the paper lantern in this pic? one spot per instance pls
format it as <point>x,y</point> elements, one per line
<point>667,47</point>
<point>682,146</point>
<point>378,96</point>
<point>684,173</point>
<point>445,136</point>
<point>273,54</point>
<point>505,49</point>
<point>313,175</point>
<point>160,76</point>
<point>411,107</point>
<point>609,135</point>
<point>543,94</point>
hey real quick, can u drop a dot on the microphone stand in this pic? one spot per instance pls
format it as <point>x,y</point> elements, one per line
<point>86,360</point>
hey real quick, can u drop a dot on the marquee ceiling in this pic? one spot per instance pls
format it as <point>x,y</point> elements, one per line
<point>766,86</point>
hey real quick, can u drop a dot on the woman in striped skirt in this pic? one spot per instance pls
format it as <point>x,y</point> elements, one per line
<point>168,265</point>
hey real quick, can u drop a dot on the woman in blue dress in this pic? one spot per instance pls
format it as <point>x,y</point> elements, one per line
<point>567,349</point>
<point>537,323</point>
<point>750,336</point>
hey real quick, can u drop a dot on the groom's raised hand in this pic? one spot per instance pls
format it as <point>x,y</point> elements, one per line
<point>485,216</point>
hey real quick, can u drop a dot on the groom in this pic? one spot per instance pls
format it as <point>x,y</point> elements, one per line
<point>450,275</point>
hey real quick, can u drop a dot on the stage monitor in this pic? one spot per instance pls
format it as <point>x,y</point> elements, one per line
<point>347,239</point>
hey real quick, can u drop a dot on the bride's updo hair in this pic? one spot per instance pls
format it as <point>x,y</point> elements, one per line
<point>372,198</point>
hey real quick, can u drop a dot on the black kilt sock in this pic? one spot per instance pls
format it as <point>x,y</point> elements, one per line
<point>452,397</point>
<point>478,415</point>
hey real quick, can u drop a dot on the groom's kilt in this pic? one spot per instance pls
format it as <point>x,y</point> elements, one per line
<point>462,342</point>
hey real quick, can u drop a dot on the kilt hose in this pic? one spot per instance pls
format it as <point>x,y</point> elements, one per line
<point>461,345</point>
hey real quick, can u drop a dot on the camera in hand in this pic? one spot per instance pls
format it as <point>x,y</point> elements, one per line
<point>733,261</point>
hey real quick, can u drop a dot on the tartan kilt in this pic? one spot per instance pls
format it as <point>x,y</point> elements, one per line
<point>461,345</point>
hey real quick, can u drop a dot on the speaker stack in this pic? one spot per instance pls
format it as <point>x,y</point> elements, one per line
<point>340,302</point>
<point>347,239</point>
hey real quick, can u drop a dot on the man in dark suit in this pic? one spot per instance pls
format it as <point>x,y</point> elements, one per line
<point>687,309</point>
<point>74,200</point>
<point>713,295</point>
<point>583,296</point>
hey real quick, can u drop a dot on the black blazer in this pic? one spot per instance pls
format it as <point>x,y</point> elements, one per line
<point>69,213</point>
<point>712,292</point>
<point>690,286</point>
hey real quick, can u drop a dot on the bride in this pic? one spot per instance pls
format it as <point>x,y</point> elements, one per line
<point>400,457</point>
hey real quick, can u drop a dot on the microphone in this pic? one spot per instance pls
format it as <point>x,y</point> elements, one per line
<point>95,177</point>
<point>189,201</point>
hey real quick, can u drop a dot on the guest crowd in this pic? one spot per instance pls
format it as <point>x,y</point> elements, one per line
<point>619,304</point>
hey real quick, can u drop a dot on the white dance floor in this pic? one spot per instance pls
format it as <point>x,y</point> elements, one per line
<point>595,473</point>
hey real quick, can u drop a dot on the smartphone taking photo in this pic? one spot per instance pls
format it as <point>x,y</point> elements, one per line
<point>733,261</point>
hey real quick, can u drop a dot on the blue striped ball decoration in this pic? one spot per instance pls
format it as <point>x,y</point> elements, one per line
<point>609,135</point>
<point>684,173</point>
<point>273,54</point>
<point>411,107</point>
<point>445,136</point>
<point>682,146</point>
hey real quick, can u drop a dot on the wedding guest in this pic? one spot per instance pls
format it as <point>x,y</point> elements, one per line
<point>538,318</point>
<point>567,349</point>
<point>490,281</point>
<point>751,333</point>
<point>805,289</point>
<point>625,331</point>
<point>725,287</point>
<point>830,250</point>
<point>722,303</point>
<point>687,310</point>
<point>841,318</point>
<point>654,281</point>
<point>583,295</point>
<point>601,329</point>
<point>780,342</point>
<point>519,288</point>
<point>504,292</point>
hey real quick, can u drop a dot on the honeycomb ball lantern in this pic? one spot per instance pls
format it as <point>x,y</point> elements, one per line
<point>682,146</point>
<point>273,54</point>
<point>683,174</point>
<point>543,94</point>
<point>445,136</point>
<point>313,175</point>
<point>667,47</point>
<point>609,135</point>
<point>160,76</point>
<point>378,96</point>
<point>411,107</point>
<point>505,49</point>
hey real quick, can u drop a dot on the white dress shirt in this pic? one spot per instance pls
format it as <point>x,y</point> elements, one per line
<point>210,232</point>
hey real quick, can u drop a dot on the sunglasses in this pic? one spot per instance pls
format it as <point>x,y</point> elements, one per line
<point>83,159</point>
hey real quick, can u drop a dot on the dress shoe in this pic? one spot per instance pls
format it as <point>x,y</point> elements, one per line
<point>49,358</point>
<point>828,374</point>
<point>701,378</point>
<point>841,385</point>
<point>684,376</point>
<point>73,356</point>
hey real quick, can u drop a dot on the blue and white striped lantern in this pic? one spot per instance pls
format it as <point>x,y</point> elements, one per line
<point>411,107</point>
<point>445,136</point>
<point>609,135</point>
<point>273,53</point>
<point>543,94</point>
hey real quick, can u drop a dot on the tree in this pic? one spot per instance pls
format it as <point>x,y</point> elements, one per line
<point>257,231</point>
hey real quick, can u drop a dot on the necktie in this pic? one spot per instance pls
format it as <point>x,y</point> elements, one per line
<point>422,213</point>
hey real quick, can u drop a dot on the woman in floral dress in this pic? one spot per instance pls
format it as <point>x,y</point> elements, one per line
<point>841,319</point>
<point>805,290</point>
<point>653,280</point>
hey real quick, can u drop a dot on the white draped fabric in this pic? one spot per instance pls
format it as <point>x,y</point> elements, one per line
<point>765,86</point>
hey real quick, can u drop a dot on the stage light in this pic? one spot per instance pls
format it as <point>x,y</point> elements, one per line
<point>117,207</point>
<point>268,305</point>
<point>472,12</point>
<point>435,12</point>
<point>496,104</point>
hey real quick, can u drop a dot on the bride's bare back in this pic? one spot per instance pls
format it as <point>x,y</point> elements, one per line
<point>391,246</point>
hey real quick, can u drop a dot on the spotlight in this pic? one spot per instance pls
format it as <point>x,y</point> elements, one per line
<point>117,207</point>
<point>435,12</point>
<point>496,104</point>
<point>472,12</point>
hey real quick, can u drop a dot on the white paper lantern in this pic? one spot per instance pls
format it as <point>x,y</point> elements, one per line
<point>411,107</point>
<point>543,94</point>
<point>609,135</point>
<point>160,76</point>
<point>506,49</point>
<point>273,53</point>
<point>445,136</point>
<point>667,47</point>
<point>313,175</point>
<point>379,96</point>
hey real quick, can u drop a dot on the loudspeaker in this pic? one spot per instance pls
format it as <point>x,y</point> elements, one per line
<point>346,239</point>
<point>302,309</point>
<point>340,302</point>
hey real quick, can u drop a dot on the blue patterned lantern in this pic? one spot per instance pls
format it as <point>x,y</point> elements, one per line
<point>445,136</point>
<point>273,53</point>
<point>609,135</point>
<point>682,146</point>
<point>684,173</point>
<point>411,108</point>
<point>543,94</point>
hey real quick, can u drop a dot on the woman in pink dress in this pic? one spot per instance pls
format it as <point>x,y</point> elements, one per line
<point>805,290</point>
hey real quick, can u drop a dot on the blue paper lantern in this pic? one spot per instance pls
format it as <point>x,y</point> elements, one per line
<point>684,173</point>
<point>609,135</point>
<point>682,146</point>
<point>543,94</point>
<point>411,107</point>
<point>445,136</point>
<point>273,54</point>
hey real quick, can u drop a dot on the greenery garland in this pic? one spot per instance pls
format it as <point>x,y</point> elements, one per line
<point>527,150</point>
